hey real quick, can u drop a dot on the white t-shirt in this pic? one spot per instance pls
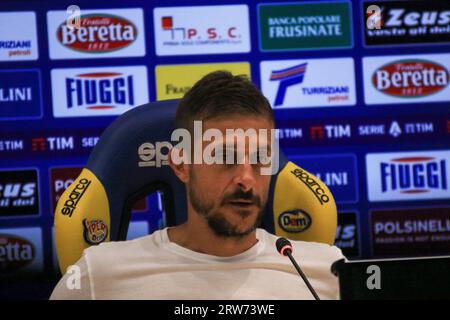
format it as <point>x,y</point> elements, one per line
<point>153,267</point>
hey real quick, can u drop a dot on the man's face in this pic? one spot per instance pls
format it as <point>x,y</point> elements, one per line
<point>231,197</point>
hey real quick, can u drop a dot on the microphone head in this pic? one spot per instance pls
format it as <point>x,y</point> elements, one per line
<point>283,246</point>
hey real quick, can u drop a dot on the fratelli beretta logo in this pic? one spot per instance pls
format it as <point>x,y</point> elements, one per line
<point>304,26</point>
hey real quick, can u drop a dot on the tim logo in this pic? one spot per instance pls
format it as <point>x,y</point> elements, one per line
<point>100,91</point>
<point>287,77</point>
<point>408,176</point>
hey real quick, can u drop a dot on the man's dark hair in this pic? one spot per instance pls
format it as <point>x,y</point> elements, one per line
<point>221,94</point>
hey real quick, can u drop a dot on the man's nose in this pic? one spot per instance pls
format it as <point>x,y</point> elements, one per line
<point>245,176</point>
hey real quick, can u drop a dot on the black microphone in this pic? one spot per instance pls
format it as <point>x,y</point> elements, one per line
<point>284,247</point>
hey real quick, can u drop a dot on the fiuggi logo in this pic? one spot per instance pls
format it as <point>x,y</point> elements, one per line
<point>98,33</point>
<point>410,78</point>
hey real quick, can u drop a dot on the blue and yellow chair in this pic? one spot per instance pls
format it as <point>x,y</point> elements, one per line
<point>96,207</point>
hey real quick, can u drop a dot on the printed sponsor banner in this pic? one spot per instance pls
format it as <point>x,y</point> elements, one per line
<point>338,172</point>
<point>103,33</point>
<point>50,143</point>
<point>18,36</point>
<point>348,234</point>
<point>303,26</point>
<point>406,78</point>
<point>201,30</point>
<point>397,23</point>
<point>399,129</point>
<point>101,91</point>
<point>416,175</point>
<point>299,133</point>
<point>20,94</point>
<point>301,83</point>
<point>19,192</point>
<point>410,232</point>
<point>21,251</point>
<point>173,81</point>
<point>295,133</point>
<point>11,145</point>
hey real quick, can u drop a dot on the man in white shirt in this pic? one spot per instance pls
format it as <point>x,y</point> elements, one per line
<point>219,252</point>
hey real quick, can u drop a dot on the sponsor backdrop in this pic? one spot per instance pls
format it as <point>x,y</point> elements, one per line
<point>360,91</point>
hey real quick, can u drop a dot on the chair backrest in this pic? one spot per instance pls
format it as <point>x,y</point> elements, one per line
<point>126,165</point>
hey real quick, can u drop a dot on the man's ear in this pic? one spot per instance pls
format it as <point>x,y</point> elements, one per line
<point>177,162</point>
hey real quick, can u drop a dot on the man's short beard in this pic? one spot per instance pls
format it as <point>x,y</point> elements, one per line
<point>223,228</point>
<point>216,220</point>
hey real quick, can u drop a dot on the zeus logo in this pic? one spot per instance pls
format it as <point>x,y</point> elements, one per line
<point>105,90</point>
<point>413,175</point>
<point>287,77</point>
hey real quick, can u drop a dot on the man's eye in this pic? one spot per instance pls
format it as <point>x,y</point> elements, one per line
<point>260,158</point>
<point>221,157</point>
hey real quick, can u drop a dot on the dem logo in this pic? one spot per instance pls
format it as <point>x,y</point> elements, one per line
<point>294,221</point>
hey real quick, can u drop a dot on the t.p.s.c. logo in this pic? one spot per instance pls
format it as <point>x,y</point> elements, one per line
<point>201,30</point>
